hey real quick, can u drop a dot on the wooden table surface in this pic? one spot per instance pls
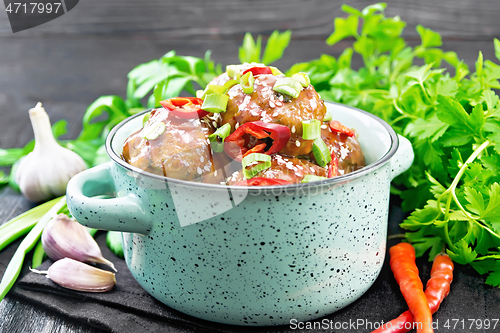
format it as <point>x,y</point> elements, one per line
<point>69,62</point>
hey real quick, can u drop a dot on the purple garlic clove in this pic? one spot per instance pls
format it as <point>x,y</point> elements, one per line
<point>66,238</point>
<point>72,274</point>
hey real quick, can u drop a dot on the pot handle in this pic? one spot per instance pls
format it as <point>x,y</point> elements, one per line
<point>403,158</point>
<point>117,214</point>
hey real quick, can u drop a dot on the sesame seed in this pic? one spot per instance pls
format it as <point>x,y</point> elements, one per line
<point>202,159</point>
<point>293,129</point>
<point>215,173</point>
<point>214,123</point>
<point>324,126</point>
<point>279,104</point>
<point>236,126</point>
<point>297,143</point>
<point>199,170</point>
<point>271,104</point>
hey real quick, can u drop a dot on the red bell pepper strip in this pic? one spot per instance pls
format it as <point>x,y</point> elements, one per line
<point>256,137</point>
<point>336,126</point>
<point>333,168</point>
<point>185,107</point>
<point>258,70</point>
<point>262,181</point>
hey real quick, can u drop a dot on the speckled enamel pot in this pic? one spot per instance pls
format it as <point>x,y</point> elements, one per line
<point>249,256</point>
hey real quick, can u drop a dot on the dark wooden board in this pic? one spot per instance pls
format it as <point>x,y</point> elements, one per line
<point>180,19</point>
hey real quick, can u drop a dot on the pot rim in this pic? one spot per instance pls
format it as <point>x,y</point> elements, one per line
<point>330,181</point>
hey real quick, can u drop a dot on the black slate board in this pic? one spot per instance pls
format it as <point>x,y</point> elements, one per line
<point>128,308</point>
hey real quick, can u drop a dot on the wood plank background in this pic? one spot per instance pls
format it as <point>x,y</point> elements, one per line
<point>69,62</point>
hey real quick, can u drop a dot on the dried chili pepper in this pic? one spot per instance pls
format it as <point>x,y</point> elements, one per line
<point>438,287</point>
<point>185,107</point>
<point>338,127</point>
<point>256,137</point>
<point>406,274</point>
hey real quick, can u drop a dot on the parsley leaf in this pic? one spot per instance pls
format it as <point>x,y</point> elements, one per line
<point>344,27</point>
<point>429,37</point>
<point>462,253</point>
<point>493,278</point>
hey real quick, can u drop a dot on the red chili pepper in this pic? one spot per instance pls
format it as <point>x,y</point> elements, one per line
<point>261,181</point>
<point>256,137</point>
<point>258,70</point>
<point>438,287</point>
<point>185,107</point>
<point>333,168</point>
<point>336,126</point>
<point>406,273</point>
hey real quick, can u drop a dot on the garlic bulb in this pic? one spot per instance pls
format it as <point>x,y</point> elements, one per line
<point>45,172</point>
<point>63,237</point>
<point>72,274</point>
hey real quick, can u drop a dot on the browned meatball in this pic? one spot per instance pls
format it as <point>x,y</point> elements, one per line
<point>267,105</point>
<point>287,168</point>
<point>346,149</point>
<point>181,152</point>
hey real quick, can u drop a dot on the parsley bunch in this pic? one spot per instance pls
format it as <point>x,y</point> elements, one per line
<point>453,121</point>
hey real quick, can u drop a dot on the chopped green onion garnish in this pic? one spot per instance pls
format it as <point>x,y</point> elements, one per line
<point>154,131</point>
<point>216,89</point>
<point>321,152</point>
<point>233,71</point>
<point>215,103</point>
<point>288,86</point>
<point>229,84</point>
<point>246,82</point>
<point>222,132</point>
<point>328,116</point>
<point>311,129</point>
<point>263,163</point>
<point>276,71</point>
<point>146,118</point>
<point>312,178</point>
<point>199,93</point>
<point>206,92</point>
<point>303,78</point>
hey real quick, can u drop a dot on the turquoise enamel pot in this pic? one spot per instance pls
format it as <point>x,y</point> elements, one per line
<point>249,255</point>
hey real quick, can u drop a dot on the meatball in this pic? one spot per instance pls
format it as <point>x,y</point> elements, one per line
<point>346,149</point>
<point>181,152</point>
<point>287,168</point>
<point>269,106</point>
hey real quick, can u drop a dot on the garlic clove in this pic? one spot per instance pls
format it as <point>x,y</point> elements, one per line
<point>75,275</point>
<point>63,237</point>
<point>45,172</point>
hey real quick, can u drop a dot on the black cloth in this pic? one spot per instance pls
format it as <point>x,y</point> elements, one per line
<point>128,308</point>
